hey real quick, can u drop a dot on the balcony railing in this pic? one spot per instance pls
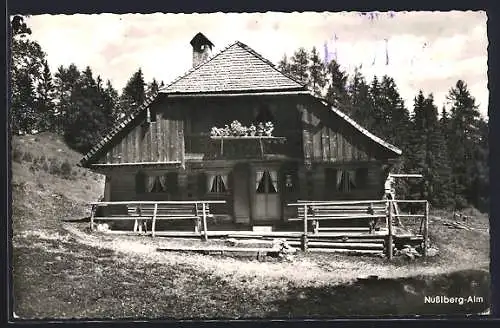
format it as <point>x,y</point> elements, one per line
<point>237,147</point>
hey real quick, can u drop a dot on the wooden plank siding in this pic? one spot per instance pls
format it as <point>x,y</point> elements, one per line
<point>327,138</point>
<point>160,141</point>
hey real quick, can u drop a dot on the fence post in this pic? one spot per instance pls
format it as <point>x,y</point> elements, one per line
<point>426,227</point>
<point>390,234</point>
<point>153,224</point>
<point>204,221</point>
<point>304,236</point>
<point>92,211</point>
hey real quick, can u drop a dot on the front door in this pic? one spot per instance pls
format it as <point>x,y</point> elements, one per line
<point>266,205</point>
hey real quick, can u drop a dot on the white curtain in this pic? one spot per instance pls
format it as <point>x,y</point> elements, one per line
<point>150,182</point>
<point>210,181</point>
<point>339,179</point>
<point>274,179</point>
<point>163,182</point>
<point>224,180</point>
<point>352,177</point>
<point>258,176</point>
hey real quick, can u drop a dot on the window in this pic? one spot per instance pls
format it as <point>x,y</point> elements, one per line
<point>345,180</point>
<point>266,182</point>
<point>217,183</point>
<point>166,183</point>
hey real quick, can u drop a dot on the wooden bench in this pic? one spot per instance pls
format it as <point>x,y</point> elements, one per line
<point>153,212</point>
<point>318,212</point>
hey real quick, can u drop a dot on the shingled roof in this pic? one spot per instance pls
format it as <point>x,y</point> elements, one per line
<point>235,68</point>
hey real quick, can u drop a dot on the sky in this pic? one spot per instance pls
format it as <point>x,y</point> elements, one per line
<point>426,51</point>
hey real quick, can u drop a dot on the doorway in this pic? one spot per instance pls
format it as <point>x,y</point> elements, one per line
<point>266,200</point>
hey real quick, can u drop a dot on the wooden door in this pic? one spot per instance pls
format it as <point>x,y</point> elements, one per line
<point>241,194</point>
<point>267,203</point>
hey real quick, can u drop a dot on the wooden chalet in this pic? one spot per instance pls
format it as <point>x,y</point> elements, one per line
<point>164,150</point>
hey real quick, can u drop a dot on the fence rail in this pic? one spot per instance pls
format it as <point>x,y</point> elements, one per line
<point>152,213</point>
<point>331,210</point>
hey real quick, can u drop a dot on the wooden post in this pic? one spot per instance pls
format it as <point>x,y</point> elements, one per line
<point>389,236</point>
<point>426,228</point>
<point>197,225</point>
<point>92,211</point>
<point>304,236</point>
<point>204,221</point>
<point>153,224</point>
<point>316,226</point>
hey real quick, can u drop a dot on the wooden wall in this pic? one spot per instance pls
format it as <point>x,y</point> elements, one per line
<point>160,141</point>
<point>329,138</point>
<point>313,184</point>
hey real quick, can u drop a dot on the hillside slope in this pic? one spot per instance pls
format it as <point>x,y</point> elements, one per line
<point>47,186</point>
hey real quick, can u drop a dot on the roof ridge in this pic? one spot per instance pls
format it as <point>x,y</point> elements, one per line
<point>270,63</point>
<point>193,69</point>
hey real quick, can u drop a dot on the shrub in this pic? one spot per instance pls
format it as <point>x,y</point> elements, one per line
<point>66,169</point>
<point>43,158</point>
<point>54,167</point>
<point>19,185</point>
<point>17,155</point>
<point>45,166</point>
<point>27,157</point>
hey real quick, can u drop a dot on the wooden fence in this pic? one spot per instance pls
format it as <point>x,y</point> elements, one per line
<point>316,211</point>
<point>140,211</point>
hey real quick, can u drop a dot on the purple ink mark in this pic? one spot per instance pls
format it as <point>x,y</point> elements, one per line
<point>386,51</point>
<point>328,55</point>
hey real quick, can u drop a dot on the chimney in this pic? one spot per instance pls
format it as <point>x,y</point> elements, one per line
<point>202,47</point>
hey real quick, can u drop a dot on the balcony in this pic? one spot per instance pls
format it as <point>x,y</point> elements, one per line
<point>237,147</point>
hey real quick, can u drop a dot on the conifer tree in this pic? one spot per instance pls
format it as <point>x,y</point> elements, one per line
<point>464,132</point>
<point>89,122</point>
<point>377,102</point>
<point>359,95</point>
<point>284,65</point>
<point>133,95</point>
<point>152,88</point>
<point>317,73</point>
<point>65,81</point>
<point>110,100</point>
<point>299,65</point>
<point>23,114</point>
<point>336,92</point>
<point>27,68</point>
<point>45,101</point>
